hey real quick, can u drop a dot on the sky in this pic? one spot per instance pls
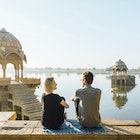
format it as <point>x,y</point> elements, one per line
<point>75,33</point>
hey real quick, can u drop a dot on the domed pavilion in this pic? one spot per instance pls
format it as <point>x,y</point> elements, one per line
<point>121,83</point>
<point>120,77</point>
<point>17,94</point>
<point>120,68</point>
<point>11,52</point>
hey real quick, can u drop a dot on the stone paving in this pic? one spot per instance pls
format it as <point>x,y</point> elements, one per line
<point>28,130</point>
<point>33,130</point>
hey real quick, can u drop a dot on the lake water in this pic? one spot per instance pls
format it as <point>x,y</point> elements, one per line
<point>123,106</point>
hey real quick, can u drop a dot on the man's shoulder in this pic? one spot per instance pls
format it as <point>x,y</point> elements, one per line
<point>79,90</point>
<point>98,90</point>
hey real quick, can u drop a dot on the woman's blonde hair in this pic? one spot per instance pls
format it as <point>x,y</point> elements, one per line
<point>47,84</point>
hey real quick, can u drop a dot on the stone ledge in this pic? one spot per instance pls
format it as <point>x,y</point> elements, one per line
<point>4,116</point>
<point>33,130</point>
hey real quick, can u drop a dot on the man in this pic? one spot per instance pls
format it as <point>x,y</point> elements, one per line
<point>87,101</point>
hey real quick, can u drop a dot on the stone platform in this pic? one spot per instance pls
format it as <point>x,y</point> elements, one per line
<point>33,130</point>
<point>4,116</point>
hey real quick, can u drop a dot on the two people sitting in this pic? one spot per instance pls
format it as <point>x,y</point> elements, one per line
<point>86,101</point>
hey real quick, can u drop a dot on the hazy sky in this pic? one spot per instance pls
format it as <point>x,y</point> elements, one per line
<point>75,33</point>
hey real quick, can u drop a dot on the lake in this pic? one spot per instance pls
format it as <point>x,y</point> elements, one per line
<point>123,106</point>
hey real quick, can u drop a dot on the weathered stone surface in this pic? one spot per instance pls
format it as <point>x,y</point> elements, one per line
<point>33,130</point>
<point>119,122</point>
<point>4,116</point>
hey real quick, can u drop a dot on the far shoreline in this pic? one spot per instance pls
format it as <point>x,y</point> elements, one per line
<point>72,70</point>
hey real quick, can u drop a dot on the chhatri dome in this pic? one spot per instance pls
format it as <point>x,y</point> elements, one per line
<point>11,52</point>
<point>120,77</point>
<point>119,66</point>
<point>9,41</point>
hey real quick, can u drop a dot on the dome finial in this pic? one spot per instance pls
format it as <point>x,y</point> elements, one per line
<point>3,30</point>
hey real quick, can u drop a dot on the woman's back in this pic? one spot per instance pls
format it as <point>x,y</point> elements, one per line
<point>53,111</point>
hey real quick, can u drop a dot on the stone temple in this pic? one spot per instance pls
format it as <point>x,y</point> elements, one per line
<point>17,94</point>
<point>120,75</point>
<point>11,52</point>
<point>121,83</point>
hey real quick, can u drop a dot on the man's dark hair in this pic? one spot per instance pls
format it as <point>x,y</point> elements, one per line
<point>88,77</point>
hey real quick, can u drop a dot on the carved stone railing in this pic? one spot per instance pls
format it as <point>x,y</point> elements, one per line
<point>31,81</point>
<point>5,81</point>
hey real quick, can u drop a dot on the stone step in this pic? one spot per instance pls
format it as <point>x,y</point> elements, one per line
<point>27,99</point>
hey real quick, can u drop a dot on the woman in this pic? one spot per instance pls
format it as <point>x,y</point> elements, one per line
<point>53,106</point>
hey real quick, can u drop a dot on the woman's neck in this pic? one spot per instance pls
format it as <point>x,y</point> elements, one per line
<point>49,91</point>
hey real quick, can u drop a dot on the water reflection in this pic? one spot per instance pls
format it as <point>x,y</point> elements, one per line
<point>112,101</point>
<point>120,95</point>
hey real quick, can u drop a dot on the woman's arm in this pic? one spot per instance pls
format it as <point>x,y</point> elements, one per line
<point>63,103</point>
